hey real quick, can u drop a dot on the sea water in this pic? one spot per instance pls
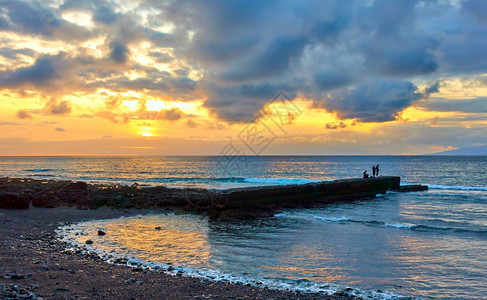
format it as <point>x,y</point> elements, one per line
<point>430,244</point>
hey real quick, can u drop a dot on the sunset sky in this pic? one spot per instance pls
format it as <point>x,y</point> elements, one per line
<point>152,77</point>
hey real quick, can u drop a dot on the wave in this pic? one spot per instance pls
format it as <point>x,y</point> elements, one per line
<point>39,170</point>
<point>333,219</point>
<point>457,187</point>
<point>270,181</point>
<point>416,227</point>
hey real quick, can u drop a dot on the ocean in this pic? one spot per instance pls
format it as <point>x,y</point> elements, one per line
<point>430,244</point>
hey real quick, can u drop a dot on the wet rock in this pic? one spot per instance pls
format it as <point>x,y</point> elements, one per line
<point>137,270</point>
<point>101,232</point>
<point>89,242</point>
<point>170,268</point>
<point>158,228</point>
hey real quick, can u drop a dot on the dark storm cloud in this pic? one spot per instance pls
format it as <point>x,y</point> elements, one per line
<point>4,24</point>
<point>43,70</point>
<point>118,51</point>
<point>36,18</point>
<point>30,17</point>
<point>477,105</point>
<point>476,8</point>
<point>275,60</point>
<point>105,15</point>
<point>241,102</point>
<point>378,101</point>
<point>356,58</point>
<point>15,53</point>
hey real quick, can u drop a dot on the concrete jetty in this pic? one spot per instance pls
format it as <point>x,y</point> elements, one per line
<point>260,201</point>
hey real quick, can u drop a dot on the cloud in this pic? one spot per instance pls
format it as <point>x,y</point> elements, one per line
<point>335,125</point>
<point>476,105</point>
<point>245,52</point>
<point>105,15</point>
<point>33,18</point>
<point>59,129</point>
<point>191,124</point>
<point>23,114</point>
<point>4,123</point>
<point>57,108</point>
<point>118,51</point>
<point>42,71</point>
<point>173,114</point>
<point>377,101</point>
<point>16,53</point>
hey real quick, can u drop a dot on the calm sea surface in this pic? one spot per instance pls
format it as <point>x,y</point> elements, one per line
<point>427,245</point>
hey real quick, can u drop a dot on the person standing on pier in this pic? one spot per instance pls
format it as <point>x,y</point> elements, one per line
<point>377,170</point>
<point>373,170</point>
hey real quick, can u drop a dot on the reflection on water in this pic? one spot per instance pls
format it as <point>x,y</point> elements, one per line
<point>156,238</point>
<point>303,249</point>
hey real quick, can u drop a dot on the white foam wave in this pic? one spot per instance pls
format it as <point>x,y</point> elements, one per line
<point>408,226</point>
<point>457,187</point>
<point>279,181</point>
<point>283,214</point>
<point>332,219</point>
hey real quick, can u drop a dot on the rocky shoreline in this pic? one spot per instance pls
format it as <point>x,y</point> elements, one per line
<point>220,205</point>
<point>36,265</point>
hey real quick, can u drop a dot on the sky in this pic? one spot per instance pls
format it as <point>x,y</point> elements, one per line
<point>246,77</point>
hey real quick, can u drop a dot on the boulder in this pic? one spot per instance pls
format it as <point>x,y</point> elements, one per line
<point>46,200</point>
<point>13,201</point>
<point>75,192</point>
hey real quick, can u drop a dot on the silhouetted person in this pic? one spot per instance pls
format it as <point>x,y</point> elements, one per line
<point>373,170</point>
<point>377,170</point>
<point>365,174</point>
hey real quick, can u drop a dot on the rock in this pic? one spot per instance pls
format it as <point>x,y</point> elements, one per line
<point>49,200</point>
<point>13,201</point>
<point>76,192</point>
<point>411,188</point>
<point>36,286</point>
<point>89,242</point>
<point>101,232</point>
<point>15,276</point>
<point>158,228</point>
<point>170,268</point>
<point>137,270</point>
<point>130,280</point>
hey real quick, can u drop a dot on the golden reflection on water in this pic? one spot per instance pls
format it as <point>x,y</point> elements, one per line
<point>154,240</point>
<point>301,260</point>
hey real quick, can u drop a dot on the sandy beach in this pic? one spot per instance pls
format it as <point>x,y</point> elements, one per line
<point>33,265</point>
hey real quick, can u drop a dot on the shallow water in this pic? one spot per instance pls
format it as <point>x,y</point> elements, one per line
<point>424,244</point>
